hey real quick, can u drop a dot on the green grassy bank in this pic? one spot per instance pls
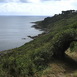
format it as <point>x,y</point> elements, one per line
<point>45,56</point>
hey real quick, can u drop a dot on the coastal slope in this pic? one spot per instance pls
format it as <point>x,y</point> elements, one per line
<point>51,54</point>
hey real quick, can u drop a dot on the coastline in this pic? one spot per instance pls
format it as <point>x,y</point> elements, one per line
<point>15,33</point>
<point>48,53</point>
<point>36,26</point>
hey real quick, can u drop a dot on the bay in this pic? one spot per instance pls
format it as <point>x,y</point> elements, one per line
<point>14,28</point>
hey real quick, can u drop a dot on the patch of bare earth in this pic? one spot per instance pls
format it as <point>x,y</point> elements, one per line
<point>63,68</point>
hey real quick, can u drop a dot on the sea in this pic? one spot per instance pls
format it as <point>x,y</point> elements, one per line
<point>14,30</point>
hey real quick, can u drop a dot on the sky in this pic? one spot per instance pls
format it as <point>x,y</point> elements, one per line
<point>36,7</point>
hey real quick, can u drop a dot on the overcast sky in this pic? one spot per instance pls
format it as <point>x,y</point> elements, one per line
<point>36,7</point>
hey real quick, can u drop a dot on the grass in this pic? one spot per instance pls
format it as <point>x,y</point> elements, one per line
<point>64,67</point>
<point>44,56</point>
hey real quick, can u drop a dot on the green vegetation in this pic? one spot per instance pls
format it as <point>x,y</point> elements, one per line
<point>33,58</point>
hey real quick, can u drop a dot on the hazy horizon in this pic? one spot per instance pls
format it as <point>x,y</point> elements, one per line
<point>14,28</point>
<point>35,7</point>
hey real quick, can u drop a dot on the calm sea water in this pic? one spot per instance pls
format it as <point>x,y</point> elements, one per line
<point>14,28</point>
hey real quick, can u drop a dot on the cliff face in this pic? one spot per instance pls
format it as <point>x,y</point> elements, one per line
<point>32,58</point>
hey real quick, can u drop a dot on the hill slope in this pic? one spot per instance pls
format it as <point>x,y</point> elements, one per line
<point>45,55</point>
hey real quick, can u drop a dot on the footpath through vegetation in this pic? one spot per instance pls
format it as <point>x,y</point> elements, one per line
<point>51,54</point>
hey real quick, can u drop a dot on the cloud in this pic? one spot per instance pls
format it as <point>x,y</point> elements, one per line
<point>2,0</point>
<point>24,1</point>
<point>37,1</point>
<point>50,0</point>
<point>31,7</point>
<point>8,1</point>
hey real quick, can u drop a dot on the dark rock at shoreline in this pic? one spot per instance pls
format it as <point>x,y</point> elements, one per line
<point>24,38</point>
<point>32,37</point>
<point>36,26</point>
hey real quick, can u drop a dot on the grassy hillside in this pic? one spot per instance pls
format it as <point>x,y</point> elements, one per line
<point>45,56</point>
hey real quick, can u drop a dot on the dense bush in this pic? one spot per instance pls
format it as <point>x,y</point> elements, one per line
<point>33,57</point>
<point>61,41</point>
